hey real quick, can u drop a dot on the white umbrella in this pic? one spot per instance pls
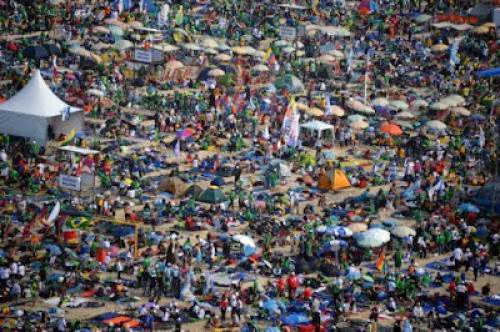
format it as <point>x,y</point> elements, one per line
<point>436,125</point>
<point>216,72</point>
<point>419,103</point>
<point>166,47</point>
<point>210,43</point>
<point>457,98</point>
<point>461,111</point>
<point>223,47</point>
<point>403,231</point>
<point>398,105</point>
<point>366,110</point>
<point>422,18</point>
<point>380,101</point>
<point>288,49</point>
<point>373,238</point>
<point>260,68</point>
<point>100,29</point>
<point>123,45</point>
<point>449,101</point>
<point>223,57</point>
<point>244,240</point>
<point>439,106</point>
<point>359,125</point>
<point>405,115</point>
<point>191,47</point>
<point>210,51</point>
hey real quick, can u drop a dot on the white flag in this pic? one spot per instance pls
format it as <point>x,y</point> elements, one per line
<point>328,108</point>
<point>177,149</point>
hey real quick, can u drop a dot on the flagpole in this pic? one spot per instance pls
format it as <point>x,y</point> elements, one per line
<point>366,79</point>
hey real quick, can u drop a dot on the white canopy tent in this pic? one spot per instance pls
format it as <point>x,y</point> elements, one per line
<point>31,111</point>
<point>317,126</point>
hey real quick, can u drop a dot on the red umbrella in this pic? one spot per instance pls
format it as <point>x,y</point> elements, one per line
<point>391,129</point>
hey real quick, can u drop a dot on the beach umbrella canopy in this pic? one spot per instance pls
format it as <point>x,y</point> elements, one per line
<point>244,240</point>
<point>36,52</point>
<point>342,231</point>
<point>326,58</point>
<point>403,231</point>
<point>459,100</point>
<point>358,125</point>
<point>357,227</point>
<point>286,50</point>
<point>460,111</point>
<point>123,45</point>
<point>294,319</point>
<point>468,207</point>
<point>337,110</point>
<point>419,103</point>
<point>380,101</point>
<point>210,43</point>
<point>439,48</point>
<point>439,106</point>
<point>244,50</point>
<point>422,18</point>
<point>398,105</point>
<point>449,101</point>
<point>216,72</point>
<point>355,118</point>
<point>391,129</point>
<point>166,47</point>
<point>314,111</point>
<point>436,125</point>
<point>373,238</point>
<point>260,68</point>
<point>100,29</point>
<point>191,47</point>
<point>223,57</point>
<point>212,195</point>
<point>405,115</point>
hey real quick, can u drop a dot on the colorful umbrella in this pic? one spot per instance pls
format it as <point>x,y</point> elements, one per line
<point>391,129</point>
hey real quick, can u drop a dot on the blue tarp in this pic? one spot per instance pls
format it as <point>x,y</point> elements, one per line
<point>487,73</point>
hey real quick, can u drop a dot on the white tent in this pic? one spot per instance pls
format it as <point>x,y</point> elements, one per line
<point>31,111</point>
<point>317,126</point>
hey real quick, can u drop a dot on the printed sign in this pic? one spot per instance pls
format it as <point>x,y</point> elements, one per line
<point>143,56</point>
<point>287,32</point>
<point>69,182</point>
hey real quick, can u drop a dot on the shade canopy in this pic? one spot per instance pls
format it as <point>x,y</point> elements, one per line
<point>36,98</point>
<point>316,125</point>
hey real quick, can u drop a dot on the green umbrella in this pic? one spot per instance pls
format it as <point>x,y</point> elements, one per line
<point>212,195</point>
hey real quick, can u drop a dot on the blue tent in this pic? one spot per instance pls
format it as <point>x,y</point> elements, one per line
<point>487,73</point>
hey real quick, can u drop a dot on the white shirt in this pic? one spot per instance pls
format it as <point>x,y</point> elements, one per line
<point>457,254</point>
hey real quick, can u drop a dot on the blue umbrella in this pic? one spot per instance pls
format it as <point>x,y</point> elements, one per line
<point>273,305</point>
<point>295,319</point>
<point>477,117</point>
<point>468,207</point>
<point>53,249</point>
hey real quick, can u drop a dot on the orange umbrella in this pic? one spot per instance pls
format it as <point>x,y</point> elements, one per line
<point>391,129</point>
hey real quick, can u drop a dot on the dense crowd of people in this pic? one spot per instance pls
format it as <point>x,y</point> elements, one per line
<point>343,176</point>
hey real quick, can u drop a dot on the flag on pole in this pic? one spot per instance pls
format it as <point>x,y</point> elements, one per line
<point>177,149</point>
<point>380,261</point>
<point>120,6</point>
<point>65,115</point>
<point>328,108</point>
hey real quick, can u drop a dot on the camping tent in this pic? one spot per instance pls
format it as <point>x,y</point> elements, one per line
<point>333,180</point>
<point>173,185</point>
<point>33,109</point>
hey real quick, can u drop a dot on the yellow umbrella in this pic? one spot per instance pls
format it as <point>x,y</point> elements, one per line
<point>314,111</point>
<point>244,50</point>
<point>210,43</point>
<point>439,48</point>
<point>337,110</point>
